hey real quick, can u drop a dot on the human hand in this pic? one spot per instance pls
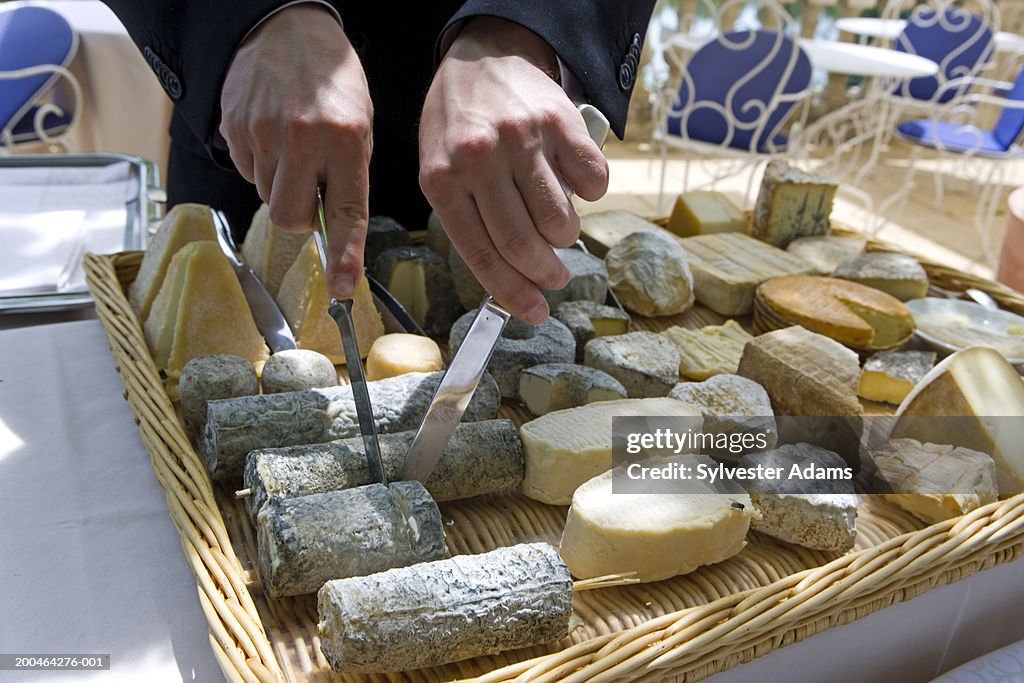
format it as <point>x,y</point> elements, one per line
<point>297,112</point>
<point>498,140</point>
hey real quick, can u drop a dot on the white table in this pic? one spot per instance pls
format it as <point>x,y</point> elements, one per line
<point>890,29</point>
<point>91,563</point>
<point>866,60</point>
<point>125,109</point>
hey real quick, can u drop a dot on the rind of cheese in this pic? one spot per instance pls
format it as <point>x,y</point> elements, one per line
<point>826,252</point>
<point>602,230</point>
<point>646,363</point>
<point>297,370</point>
<point>183,224</point>
<point>704,212</point>
<point>304,302</point>
<point>383,233</point>
<point>656,535</point>
<point>708,351</point>
<point>898,275</point>
<point>201,310</point>
<point>850,313</point>
<point>588,320</point>
<point>888,376</point>
<point>270,250</point>
<point>728,267</point>
<point>399,353</point>
<point>557,386</point>
<point>649,273</point>
<point>934,482</point>
<point>210,378</point>
<point>974,399</point>
<point>588,279</point>
<point>732,405</point>
<point>422,282</point>
<point>791,204</point>
<point>563,449</point>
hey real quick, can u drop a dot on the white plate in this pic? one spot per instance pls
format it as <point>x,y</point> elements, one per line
<point>939,320</point>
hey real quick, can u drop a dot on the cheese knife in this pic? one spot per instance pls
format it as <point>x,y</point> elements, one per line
<point>269,319</point>
<point>341,311</point>
<point>467,367</point>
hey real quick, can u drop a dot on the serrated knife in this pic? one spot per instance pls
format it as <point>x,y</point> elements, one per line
<point>341,311</point>
<point>463,375</point>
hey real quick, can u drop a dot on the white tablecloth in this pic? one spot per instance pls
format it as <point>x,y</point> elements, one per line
<point>125,109</point>
<point>91,563</point>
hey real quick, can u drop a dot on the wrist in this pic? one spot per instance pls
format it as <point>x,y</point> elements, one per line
<point>486,36</point>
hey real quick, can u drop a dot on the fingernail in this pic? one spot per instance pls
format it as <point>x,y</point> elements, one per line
<point>343,286</point>
<point>537,314</point>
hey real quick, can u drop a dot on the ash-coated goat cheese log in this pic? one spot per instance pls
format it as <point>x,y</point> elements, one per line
<point>481,457</point>
<point>438,612</point>
<point>234,427</point>
<point>306,541</point>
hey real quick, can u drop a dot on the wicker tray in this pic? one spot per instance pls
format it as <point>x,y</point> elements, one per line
<point>683,629</point>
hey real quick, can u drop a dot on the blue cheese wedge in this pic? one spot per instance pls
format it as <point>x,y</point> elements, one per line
<point>791,204</point>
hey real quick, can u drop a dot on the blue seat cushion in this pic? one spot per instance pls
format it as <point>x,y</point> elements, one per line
<point>30,36</point>
<point>958,41</point>
<point>53,124</point>
<point>952,136</point>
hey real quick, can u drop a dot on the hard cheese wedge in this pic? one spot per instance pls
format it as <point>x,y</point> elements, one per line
<point>727,268</point>
<point>183,224</point>
<point>702,212</point>
<point>975,399</point>
<point>270,250</point>
<point>898,275</point>
<point>601,231</point>
<point>563,449</point>
<point>201,311</point>
<point>304,302</point>
<point>656,535</point>
<point>890,375</point>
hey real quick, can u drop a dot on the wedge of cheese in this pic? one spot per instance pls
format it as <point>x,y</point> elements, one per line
<point>898,275</point>
<point>889,376</point>
<point>728,267</point>
<point>934,482</point>
<point>400,353</point>
<point>565,448</point>
<point>183,224</point>
<point>709,351</point>
<point>303,300</point>
<point>200,310</point>
<point>270,250</point>
<point>703,212</point>
<point>791,204</point>
<point>974,399</point>
<point>422,282</point>
<point>601,231</point>
<point>657,535</point>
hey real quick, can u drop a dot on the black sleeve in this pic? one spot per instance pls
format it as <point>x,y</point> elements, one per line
<point>599,41</point>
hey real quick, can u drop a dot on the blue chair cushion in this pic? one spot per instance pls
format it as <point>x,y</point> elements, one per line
<point>964,38</point>
<point>53,124</point>
<point>1011,122</point>
<point>30,36</point>
<point>952,136</point>
<point>757,60</point>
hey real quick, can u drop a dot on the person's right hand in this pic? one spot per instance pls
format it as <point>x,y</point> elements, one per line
<point>296,112</point>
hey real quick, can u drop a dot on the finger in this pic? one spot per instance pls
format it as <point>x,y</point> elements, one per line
<point>264,168</point>
<point>550,209</point>
<point>521,297</point>
<point>241,156</point>
<point>581,163</point>
<point>346,205</point>
<point>514,235</point>
<point>293,197</point>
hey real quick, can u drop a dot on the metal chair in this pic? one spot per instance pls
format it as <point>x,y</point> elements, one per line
<point>735,97</point>
<point>36,47</point>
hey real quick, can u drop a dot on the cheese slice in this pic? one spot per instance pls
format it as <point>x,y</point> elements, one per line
<point>703,212</point>
<point>974,399</point>
<point>934,482</point>
<point>728,267</point>
<point>399,353</point>
<point>200,311</point>
<point>183,224</point>
<point>825,253</point>
<point>270,250</point>
<point>709,351</point>
<point>854,314</point>
<point>656,535</point>
<point>303,300</point>
<point>563,449</point>
<point>791,204</point>
<point>898,275</point>
<point>601,231</point>
<point>889,376</point>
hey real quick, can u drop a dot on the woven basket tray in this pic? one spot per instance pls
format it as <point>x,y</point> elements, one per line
<point>683,629</point>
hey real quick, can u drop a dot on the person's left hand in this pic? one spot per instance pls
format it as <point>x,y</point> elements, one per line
<point>499,139</point>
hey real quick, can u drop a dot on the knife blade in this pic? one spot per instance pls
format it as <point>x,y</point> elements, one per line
<point>467,367</point>
<point>269,319</point>
<point>341,311</point>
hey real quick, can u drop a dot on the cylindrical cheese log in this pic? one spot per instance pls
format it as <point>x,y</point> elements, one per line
<point>210,378</point>
<point>235,427</point>
<point>481,457</point>
<point>439,612</point>
<point>298,370</point>
<point>306,541</point>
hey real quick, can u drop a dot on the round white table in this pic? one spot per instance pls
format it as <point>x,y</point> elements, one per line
<point>889,29</point>
<point>866,60</point>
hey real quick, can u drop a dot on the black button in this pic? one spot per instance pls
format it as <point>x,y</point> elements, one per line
<point>172,85</point>
<point>636,40</point>
<point>168,79</point>
<point>632,61</point>
<point>626,77</point>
